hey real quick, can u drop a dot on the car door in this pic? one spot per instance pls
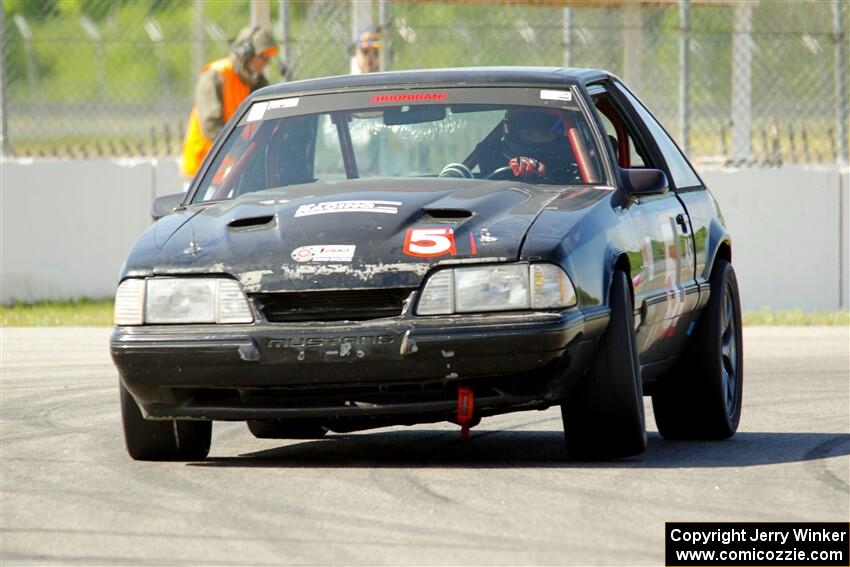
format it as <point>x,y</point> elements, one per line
<point>700,205</point>
<point>663,263</point>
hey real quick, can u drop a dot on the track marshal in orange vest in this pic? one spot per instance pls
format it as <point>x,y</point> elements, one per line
<point>222,86</point>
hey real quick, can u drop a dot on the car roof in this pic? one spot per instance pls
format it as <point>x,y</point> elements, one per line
<point>461,76</point>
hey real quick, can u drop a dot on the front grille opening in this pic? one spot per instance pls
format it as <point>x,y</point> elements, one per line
<point>346,305</point>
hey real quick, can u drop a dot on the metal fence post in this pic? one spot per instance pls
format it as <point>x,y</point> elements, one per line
<point>632,44</point>
<point>742,57</point>
<point>841,103</point>
<point>260,13</point>
<point>384,26</point>
<point>684,75</point>
<point>361,17</point>
<point>285,40</point>
<point>4,99</point>
<point>567,36</point>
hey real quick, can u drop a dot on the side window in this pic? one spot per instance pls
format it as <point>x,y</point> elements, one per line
<point>681,171</point>
<point>629,152</point>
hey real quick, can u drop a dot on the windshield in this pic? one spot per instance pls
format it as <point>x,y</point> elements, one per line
<point>534,136</point>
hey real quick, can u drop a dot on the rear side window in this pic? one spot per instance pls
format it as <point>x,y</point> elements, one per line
<point>683,174</point>
<point>627,150</point>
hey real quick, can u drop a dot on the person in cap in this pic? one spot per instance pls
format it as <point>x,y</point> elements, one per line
<point>532,143</point>
<point>222,85</point>
<point>367,52</point>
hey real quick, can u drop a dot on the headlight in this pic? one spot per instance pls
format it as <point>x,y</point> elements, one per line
<point>506,287</point>
<point>180,300</point>
<point>494,288</point>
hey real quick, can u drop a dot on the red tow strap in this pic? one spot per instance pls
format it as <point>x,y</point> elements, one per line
<point>465,410</point>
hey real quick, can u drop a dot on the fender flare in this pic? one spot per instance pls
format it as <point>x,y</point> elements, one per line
<point>719,245</point>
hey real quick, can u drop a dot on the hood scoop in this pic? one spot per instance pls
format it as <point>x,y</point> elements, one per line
<point>248,223</point>
<point>444,215</point>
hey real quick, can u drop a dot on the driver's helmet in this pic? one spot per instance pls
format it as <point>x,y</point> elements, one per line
<point>533,132</point>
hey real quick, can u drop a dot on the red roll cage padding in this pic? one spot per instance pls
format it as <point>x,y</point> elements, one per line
<point>579,151</point>
<point>585,165</point>
<point>624,154</point>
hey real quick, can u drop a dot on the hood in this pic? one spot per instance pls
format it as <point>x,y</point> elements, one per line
<point>355,233</point>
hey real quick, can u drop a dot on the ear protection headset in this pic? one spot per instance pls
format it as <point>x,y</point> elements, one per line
<point>245,49</point>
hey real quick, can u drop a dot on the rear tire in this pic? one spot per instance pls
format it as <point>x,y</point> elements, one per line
<point>286,429</point>
<point>701,398</point>
<point>603,416</point>
<point>165,440</point>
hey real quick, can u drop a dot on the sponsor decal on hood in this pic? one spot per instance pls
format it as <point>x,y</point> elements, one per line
<point>324,253</point>
<point>386,207</point>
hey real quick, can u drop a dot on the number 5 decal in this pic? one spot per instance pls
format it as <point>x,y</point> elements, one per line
<point>428,242</point>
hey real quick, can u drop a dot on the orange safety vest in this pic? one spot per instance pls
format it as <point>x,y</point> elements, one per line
<point>233,92</point>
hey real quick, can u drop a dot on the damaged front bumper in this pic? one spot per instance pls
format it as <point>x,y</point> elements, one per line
<point>405,370</point>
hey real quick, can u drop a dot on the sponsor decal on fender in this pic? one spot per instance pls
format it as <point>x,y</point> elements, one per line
<point>324,253</point>
<point>386,207</point>
<point>429,242</point>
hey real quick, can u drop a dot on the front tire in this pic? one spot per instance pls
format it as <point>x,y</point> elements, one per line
<point>603,416</point>
<point>162,440</point>
<point>701,398</point>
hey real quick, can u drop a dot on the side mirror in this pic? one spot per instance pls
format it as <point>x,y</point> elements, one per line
<point>165,205</point>
<point>644,181</point>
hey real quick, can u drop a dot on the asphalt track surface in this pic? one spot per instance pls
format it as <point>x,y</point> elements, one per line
<point>419,495</point>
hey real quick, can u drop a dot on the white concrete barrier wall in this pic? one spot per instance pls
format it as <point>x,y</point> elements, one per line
<point>68,225</point>
<point>789,230</point>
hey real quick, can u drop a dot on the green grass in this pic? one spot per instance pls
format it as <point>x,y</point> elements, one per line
<point>795,317</point>
<point>88,313</point>
<point>79,313</point>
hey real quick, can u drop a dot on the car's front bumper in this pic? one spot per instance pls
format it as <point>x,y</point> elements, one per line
<point>387,367</point>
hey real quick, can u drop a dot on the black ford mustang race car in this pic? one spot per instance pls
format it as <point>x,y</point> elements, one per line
<point>402,248</point>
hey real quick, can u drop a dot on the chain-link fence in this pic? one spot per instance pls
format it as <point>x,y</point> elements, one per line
<point>733,81</point>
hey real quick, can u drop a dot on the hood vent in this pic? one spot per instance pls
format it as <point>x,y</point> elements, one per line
<point>251,222</point>
<point>448,214</point>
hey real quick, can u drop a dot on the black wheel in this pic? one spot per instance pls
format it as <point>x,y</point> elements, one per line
<point>167,440</point>
<point>603,416</point>
<point>701,397</point>
<point>293,429</point>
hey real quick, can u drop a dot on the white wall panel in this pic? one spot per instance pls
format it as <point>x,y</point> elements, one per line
<point>67,226</point>
<point>786,227</point>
